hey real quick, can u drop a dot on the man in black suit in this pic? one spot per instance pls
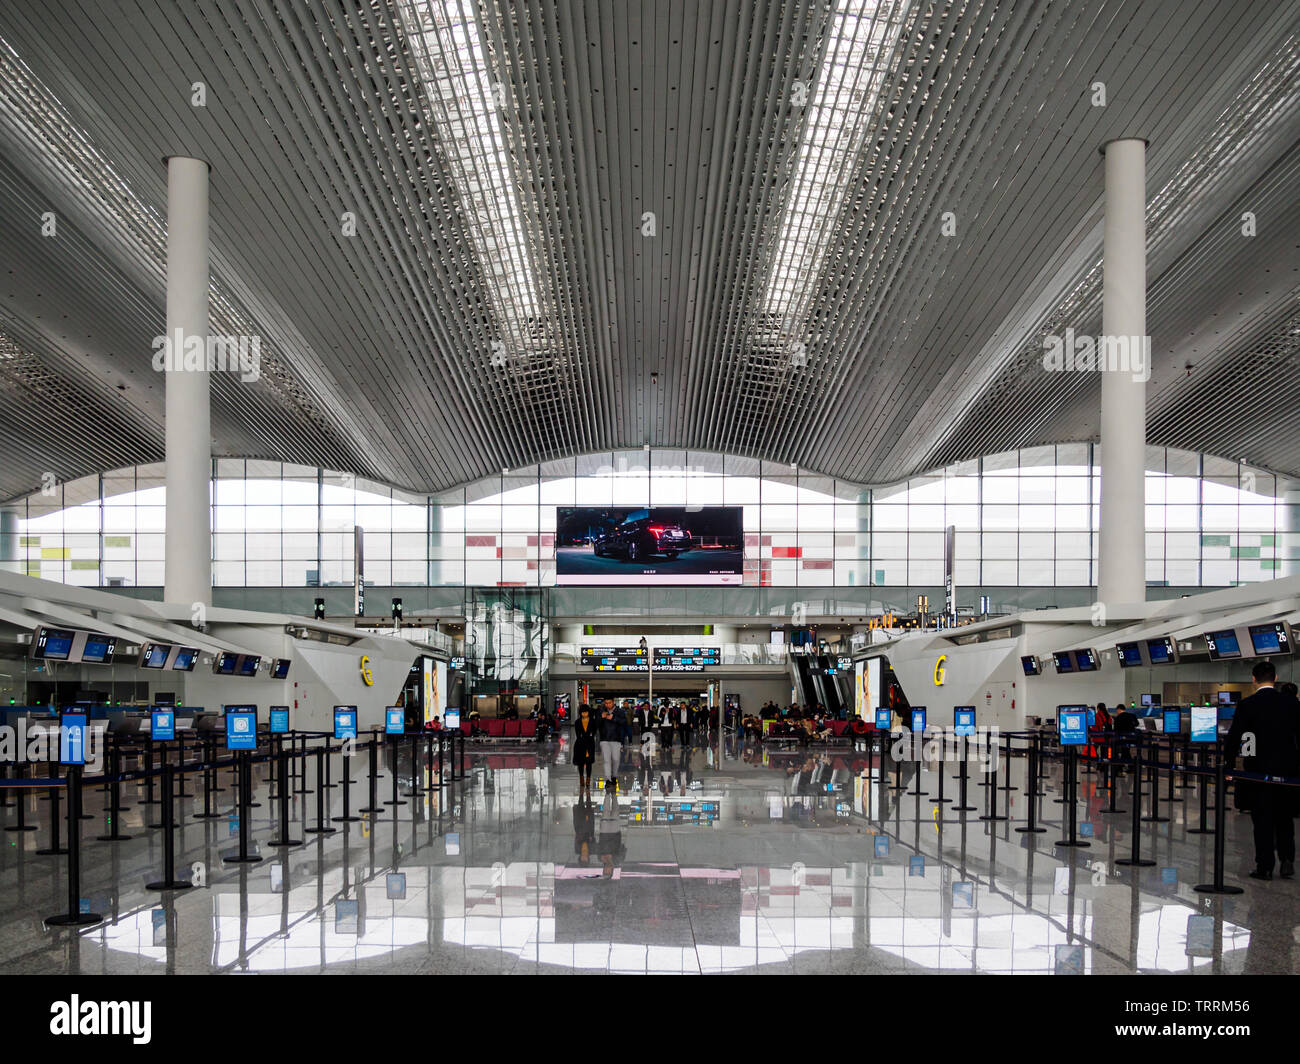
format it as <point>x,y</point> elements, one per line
<point>1264,732</point>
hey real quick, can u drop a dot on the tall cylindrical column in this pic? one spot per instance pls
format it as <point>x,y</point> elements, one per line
<point>1122,547</point>
<point>188,571</point>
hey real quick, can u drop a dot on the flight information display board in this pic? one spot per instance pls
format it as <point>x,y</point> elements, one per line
<point>689,659</point>
<point>615,659</point>
<point>666,659</point>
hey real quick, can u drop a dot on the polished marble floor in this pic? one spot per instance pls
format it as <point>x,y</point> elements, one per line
<point>772,863</point>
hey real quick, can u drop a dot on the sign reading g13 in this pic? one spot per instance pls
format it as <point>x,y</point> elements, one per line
<point>938,670</point>
<point>367,677</point>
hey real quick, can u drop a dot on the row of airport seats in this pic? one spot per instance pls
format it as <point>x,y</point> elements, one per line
<point>495,728</point>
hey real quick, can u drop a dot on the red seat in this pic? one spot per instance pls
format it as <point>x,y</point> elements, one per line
<point>495,728</point>
<point>838,728</point>
<point>511,729</point>
<point>528,729</point>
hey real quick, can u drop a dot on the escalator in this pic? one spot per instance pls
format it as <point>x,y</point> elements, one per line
<point>830,687</point>
<point>802,679</point>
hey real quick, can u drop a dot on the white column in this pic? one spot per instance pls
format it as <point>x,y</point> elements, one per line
<point>188,414</point>
<point>1122,547</point>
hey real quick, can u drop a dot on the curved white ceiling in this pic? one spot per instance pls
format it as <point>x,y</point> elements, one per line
<point>711,224</point>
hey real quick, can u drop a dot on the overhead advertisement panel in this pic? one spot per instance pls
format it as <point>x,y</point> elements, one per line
<point>649,545</point>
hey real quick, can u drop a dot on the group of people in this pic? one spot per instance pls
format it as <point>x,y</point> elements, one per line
<point>807,724</point>
<point>612,726</point>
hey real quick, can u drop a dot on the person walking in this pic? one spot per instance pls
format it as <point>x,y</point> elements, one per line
<point>584,746</point>
<point>611,741</point>
<point>1263,733</point>
<point>684,725</point>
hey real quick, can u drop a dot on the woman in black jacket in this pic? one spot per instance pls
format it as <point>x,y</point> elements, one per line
<point>584,746</point>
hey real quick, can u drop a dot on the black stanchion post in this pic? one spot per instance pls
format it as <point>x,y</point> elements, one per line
<point>55,848</point>
<point>181,792</point>
<point>1135,858</point>
<point>1006,739</point>
<point>943,756</point>
<point>1031,788</point>
<point>1204,827</point>
<point>1220,823</point>
<point>373,806</point>
<point>1154,816</point>
<point>209,783</point>
<point>243,791</point>
<point>965,806</point>
<point>1071,799</point>
<point>991,793</point>
<point>114,798</point>
<point>284,840</point>
<point>395,743</point>
<point>321,828</point>
<point>1170,797</point>
<point>149,798</point>
<point>74,917</point>
<point>169,880</point>
<point>1110,781</point>
<point>419,758</point>
<point>21,799</point>
<point>347,816</point>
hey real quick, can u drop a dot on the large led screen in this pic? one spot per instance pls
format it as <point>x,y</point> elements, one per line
<point>655,545</point>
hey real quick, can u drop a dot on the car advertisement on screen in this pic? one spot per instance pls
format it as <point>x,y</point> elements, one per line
<point>649,545</point>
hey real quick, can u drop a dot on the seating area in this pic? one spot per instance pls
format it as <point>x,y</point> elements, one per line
<point>495,728</point>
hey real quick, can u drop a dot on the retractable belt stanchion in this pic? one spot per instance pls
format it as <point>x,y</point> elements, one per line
<point>1072,795</point>
<point>243,791</point>
<point>114,798</point>
<point>1204,827</point>
<point>463,773</point>
<point>1110,781</point>
<point>347,816</point>
<point>419,742</point>
<point>1135,858</point>
<point>1031,789</point>
<point>1007,759</point>
<point>74,917</point>
<point>54,849</point>
<point>373,807</point>
<point>181,792</point>
<point>990,794</point>
<point>21,797</point>
<point>209,783</point>
<point>1170,797</point>
<point>943,756</point>
<point>1154,816</point>
<point>918,761</point>
<point>965,806</point>
<point>6,802</point>
<point>1220,824</point>
<point>397,752</point>
<point>284,840</point>
<point>300,743</point>
<point>898,784</point>
<point>169,880</point>
<point>321,828</point>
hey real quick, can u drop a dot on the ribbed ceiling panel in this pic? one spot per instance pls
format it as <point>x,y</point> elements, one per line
<point>711,224</point>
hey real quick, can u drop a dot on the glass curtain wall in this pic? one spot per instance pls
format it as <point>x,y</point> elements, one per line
<point>1024,518</point>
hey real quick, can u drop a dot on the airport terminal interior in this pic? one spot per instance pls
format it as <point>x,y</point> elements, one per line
<point>649,487</point>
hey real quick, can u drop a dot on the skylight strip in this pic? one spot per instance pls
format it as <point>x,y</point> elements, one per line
<point>459,82</point>
<point>862,36</point>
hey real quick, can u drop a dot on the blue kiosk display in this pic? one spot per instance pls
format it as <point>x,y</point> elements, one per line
<point>72,738</point>
<point>279,720</point>
<point>1072,725</point>
<point>394,721</point>
<point>1173,721</point>
<point>1205,724</point>
<point>918,718</point>
<point>241,727</point>
<point>345,722</point>
<point>963,720</point>
<point>882,719</point>
<point>162,724</point>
